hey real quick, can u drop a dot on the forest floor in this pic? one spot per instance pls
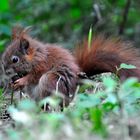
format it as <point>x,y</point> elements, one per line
<point>118,128</point>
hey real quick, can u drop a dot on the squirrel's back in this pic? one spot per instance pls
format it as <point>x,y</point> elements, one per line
<point>58,56</point>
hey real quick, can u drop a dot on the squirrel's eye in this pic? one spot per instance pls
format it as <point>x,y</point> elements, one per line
<point>15,59</point>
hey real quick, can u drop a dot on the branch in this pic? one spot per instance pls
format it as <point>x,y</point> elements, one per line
<point>124,17</point>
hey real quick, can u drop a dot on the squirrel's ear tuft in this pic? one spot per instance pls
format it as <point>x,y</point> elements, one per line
<point>16,31</point>
<point>24,46</point>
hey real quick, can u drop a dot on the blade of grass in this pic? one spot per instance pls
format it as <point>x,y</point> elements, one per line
<point>89,38</point>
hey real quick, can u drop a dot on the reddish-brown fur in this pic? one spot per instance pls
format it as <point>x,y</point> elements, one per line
<point>104,55</point>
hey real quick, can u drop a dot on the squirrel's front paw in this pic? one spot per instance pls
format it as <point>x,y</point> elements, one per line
<point>19,83</point>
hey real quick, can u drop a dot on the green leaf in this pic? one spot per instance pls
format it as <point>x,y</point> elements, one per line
<point>128,87</point>
<point>27,105</point>
<point>111,99</point>
<point>129,83</point>
<point>127,66</point>
<point>87,100</point>
<point>109,83</point>
<point>108,106</point>
<point>1,91</point>
<point>96,116</point>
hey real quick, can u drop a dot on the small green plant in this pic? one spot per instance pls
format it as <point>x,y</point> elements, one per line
<point>124,66</point>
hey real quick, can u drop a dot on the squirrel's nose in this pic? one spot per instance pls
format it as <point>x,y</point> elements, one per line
<point>9,71</point>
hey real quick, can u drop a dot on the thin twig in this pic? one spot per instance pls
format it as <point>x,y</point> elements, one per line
<point>12,96</point>
<point>20,95</point>
<point>57,85</point>
<point>124,17</point>
<point>97,11</point>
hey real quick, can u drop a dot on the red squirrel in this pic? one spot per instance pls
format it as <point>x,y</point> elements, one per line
<point>42,67</point>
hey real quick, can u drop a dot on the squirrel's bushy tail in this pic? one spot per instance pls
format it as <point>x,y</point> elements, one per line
<point>104,55</point>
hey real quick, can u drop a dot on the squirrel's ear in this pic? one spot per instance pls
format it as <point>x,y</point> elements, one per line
<point>24,46</point>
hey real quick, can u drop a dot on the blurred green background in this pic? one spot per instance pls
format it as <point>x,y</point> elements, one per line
<point>68,21</point>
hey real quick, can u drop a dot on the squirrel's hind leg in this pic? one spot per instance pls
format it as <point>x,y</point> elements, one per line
<point>56,84</point>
